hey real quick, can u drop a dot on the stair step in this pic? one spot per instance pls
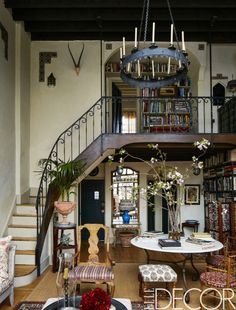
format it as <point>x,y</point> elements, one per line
<point>25,257</point>
<point>24,214</point>
<point>18,219</point>
<point>24,243</point>
<point>23,270</point>
<point>25,208</point>
<point>22,230</point>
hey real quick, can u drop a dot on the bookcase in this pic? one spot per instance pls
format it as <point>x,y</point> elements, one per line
<point>227,117</point>
<point>164,114</point>
<point>220,195</point>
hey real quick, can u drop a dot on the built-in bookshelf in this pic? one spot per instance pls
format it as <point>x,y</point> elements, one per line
<point>220,193</point>
<point>227,117</point>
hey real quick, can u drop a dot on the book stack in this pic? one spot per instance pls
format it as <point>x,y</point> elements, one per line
<point>169,243</point>
<point>201,239</point>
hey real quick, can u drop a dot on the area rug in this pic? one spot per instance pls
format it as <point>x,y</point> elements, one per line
<point>34,305</point>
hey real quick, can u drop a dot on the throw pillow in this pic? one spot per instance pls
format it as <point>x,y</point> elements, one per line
<point>4,249</point>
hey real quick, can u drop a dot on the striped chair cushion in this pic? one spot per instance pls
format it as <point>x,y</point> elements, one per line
<point>217,279</point>
<point>87,272</point>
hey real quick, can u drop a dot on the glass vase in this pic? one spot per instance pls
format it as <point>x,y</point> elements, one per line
<point>126,217</point>
<point>65,282</point>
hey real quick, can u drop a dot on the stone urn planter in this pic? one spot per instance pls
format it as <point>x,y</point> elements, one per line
<point>64,208</point>
<point>125,238</point>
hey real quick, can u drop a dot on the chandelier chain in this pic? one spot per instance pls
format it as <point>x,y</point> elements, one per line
<point>146,22</point>
<point>172,21</point>
<point>141,22</point>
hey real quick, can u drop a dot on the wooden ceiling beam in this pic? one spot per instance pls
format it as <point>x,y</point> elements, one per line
<point>204,4</point>
<point>106,14</point>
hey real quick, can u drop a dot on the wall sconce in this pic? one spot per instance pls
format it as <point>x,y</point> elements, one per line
<point>51,81</point>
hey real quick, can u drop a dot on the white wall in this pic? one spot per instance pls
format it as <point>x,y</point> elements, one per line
<point>22,105</point>
<point>7,120</point>
<point>55,109</point>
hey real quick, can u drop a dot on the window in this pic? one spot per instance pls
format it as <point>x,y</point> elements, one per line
<point>129,122</point>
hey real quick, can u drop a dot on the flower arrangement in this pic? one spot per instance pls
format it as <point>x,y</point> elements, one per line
<point>96,299</point>
<point>166,180</point>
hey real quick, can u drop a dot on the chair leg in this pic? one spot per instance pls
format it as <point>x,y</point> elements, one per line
<point>110,288</point>
<point>11,296</point>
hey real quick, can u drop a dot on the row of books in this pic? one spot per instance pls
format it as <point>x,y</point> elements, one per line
<point>172,120</point>
<point>162,106</point>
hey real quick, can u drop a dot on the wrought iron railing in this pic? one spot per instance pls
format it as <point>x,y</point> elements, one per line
<point>154,115</point>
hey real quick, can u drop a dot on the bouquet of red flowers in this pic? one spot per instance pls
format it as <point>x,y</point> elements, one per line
<point>96,299</point>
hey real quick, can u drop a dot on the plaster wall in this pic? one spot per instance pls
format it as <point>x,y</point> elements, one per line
<point>54,109</point>
<point>7,120</point>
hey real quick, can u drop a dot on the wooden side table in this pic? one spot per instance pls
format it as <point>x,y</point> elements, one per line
<point>58,231</point>
<point>194,226</point>
<point>120,228</point>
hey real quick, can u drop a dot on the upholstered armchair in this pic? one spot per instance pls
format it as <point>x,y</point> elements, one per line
<point>7,270</point>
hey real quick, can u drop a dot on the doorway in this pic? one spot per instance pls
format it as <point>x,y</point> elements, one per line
<point>92,205</point>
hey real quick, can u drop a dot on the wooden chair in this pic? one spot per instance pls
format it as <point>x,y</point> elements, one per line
<point>218,260</point>
<point>223,278</point>
<point>96,268</point>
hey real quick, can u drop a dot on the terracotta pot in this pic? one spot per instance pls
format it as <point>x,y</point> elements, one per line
<point>64,208</point>
<point>125,238</point>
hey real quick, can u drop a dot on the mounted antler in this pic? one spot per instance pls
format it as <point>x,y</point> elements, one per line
<point>77,65</point>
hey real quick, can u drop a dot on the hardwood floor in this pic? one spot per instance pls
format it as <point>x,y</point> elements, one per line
<point>119,254</point>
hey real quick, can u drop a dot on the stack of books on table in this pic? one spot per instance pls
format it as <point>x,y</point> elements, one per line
<point>169,243</point>
<point>202,239</point>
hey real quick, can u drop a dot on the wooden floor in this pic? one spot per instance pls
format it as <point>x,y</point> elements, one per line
<point>119,254</point>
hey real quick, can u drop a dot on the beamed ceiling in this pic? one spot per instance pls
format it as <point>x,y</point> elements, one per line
<point>202,20</point>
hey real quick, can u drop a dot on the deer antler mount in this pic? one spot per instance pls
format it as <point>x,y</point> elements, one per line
<point>76,64</point>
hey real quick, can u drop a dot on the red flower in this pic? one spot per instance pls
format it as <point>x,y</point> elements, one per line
<point>96,299</point>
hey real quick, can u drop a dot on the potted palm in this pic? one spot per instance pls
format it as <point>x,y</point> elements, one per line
<point>63,176</point>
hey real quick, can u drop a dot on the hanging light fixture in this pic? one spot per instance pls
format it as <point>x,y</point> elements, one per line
<point>154,67</point>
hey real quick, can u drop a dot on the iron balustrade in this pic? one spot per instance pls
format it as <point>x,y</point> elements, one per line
<point>199,116</point>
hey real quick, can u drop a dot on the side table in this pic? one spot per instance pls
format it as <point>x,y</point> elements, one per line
<point>58,231</point>
<point>120,228</point>
<point>194,226</point>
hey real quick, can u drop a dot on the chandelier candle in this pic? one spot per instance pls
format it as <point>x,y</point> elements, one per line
<point>183,43</point>
<point>153,72</point>
<point>123,46</point>
<point>171,34</point>
<point>135,37</point>
<point>153,33</point>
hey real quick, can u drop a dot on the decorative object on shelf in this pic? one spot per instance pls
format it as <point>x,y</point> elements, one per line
<point>154,67</point>
<point>192,194</point>
<point>51,80</point>
<point>66,286</point>
<point>76,64</point>
<point>63,176</point>
<point>166,181</point>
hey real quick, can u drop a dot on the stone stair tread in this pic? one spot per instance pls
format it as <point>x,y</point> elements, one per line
<point>25,252</point>
<point>23,270</point>
<point>21,226</point>
<point>24,238</point>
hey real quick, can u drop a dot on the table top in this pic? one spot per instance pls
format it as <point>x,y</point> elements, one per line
<point>148,243</point>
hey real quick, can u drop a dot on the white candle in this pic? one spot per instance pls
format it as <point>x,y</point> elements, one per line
<point>183,44</point>
<point>153,32</point>
<point>123,46</point>
<point>179,64</point>
<point>121,53</point>
<point>138,68</point>
<point>135,36</point>
<point>153,71</point>
<point>171,34</point>
<point>168,68</point>
<point>128,67</point>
